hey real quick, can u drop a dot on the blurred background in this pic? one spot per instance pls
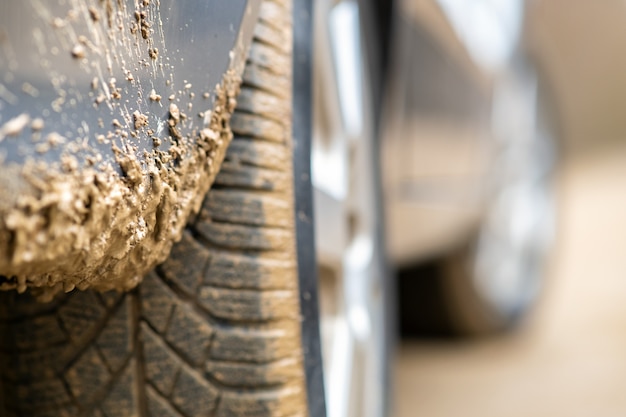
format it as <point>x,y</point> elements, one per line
<point>569,357</point>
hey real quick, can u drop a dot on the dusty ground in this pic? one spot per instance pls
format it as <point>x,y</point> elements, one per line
<point>570,360</point>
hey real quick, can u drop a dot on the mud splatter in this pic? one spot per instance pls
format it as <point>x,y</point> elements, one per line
<point>96,220</point>
<point>154,96</point>
<point>14,126</point>
<point>78,51</point>
<point>140,120</point>
<point>37,124</point>
<point>109,229</point>
<point>54,139</point>
<point>94,14</point>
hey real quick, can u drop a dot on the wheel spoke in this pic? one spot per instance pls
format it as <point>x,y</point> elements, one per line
<point>330,228</point>
<point>345,202</point>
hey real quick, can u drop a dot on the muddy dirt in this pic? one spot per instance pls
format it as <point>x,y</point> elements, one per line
<point>14,126</point>
<point>88,221</point>
<point>96,228</point>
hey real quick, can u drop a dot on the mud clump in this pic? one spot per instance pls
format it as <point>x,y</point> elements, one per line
<point>96,228</point>
<point>94,14</point>
<point>174,115</point>
<point>154,96</point>
<point>37,124</point>
<point>140,120</point>
<point>14,126</point>
<point>78,51</point>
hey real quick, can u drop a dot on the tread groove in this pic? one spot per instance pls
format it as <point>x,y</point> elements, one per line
<point>172,349</point>
<point>89,340</point>
<point>175,351</point>
<point>106,389</point>
<point>142,399</point>
<point>55,305</point>
<point>260,115</point>
<point>187,300</point>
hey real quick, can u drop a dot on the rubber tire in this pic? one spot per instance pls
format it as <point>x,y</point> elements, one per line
<point>469,314</point>
<point>215,330</point>
<point>437,299</point>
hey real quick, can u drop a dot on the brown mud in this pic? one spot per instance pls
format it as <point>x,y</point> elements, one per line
<point>86,222</point>
<point>96,228</point>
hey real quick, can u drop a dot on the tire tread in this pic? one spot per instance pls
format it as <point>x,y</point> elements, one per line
<point>215,330</point>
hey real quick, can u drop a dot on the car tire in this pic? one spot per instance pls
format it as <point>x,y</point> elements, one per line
<point>457,295</point>
<point>493,281</point>
<point>216,329</point>
<point>489,282</point>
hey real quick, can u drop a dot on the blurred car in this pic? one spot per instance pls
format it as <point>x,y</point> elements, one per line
<point>115,119</point>
<point>477,130</point>
<point>453,155</point>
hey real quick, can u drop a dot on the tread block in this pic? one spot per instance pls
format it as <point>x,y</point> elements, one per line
<point>260,77</point>
<point>245,271</point>
<point>246,124</point>
<point>87,375</point>
<point>246,208</point>
<point>115,340</point>
<point>258,154</point>
<point>253,375</point>
<point>190,334</point>
<point>157,301</point>
<point>121,401</point>
<point>245,237</point>
<point>161,364</point>
<point>158,406</point>
<point>21,366</point>
<point>36,333</point>
<point>193,395</point>
<point>37,394</point>
<point>21,306</point>
<point>249,305</point>
<point>259,345</point>
<point>186,263</point>
<point>263,103</point>
<point>251,178</point>
<point>271,35</point>
<point>81,311</point>
<point>270,57</point>
<point>272,12</point>
<point>276,403</point>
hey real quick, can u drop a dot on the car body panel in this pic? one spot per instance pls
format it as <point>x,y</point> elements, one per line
<point>443,125</point>
<point>436,152</point>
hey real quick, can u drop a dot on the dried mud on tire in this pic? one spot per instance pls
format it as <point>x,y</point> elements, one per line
<point>215,330</point>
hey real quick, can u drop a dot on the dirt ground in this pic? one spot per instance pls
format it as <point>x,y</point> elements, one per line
<point>570,359</point>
